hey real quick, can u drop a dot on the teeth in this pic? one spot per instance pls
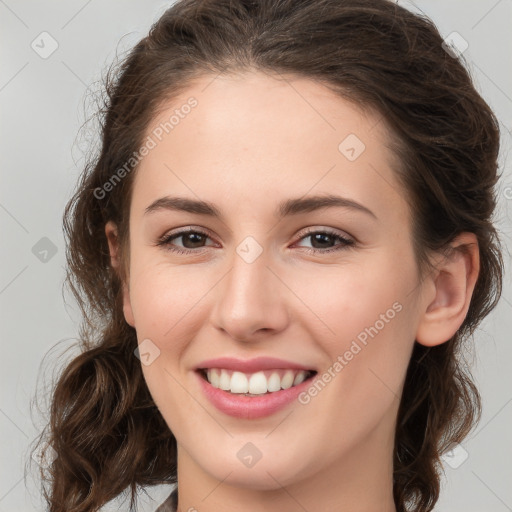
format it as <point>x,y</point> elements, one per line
<point>224,381</point>
<point>257,383</point>
<point>274,382</point>
<point>300,377</point>
<point>287,380</point>
<point>239,383</point>
<point>214,378</point>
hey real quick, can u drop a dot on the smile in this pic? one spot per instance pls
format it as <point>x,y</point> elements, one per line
<point>245,397</point>
<point>257,383</point>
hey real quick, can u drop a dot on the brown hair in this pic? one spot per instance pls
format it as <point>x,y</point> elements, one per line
<point>104,426</point>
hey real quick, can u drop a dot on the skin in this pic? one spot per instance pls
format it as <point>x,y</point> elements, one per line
<point>252,142</point>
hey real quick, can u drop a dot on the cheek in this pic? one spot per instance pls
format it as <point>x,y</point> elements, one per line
<point>344,300</point>
<point>362,318</point>
<point>163,299</point>
<point>368,343</point>
<point>167,308</point>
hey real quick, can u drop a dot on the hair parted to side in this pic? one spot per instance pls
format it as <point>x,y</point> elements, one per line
<point>107,431</point>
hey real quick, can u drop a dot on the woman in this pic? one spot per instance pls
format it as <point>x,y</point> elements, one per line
<point>279,252</point>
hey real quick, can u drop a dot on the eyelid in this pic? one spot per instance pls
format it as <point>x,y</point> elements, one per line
<point>183,230</point>
<point>347,241</point>
<point>325,229</point>
<point>300,235</point>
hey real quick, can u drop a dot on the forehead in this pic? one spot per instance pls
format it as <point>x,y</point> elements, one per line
<point>245,138</point>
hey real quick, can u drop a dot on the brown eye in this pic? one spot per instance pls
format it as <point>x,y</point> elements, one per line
<point>190,239</point>
<point>322,241</point>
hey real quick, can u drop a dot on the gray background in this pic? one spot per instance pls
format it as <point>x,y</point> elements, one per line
<point>42,102</point>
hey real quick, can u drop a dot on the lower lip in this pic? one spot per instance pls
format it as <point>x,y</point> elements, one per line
<point>247,407</point>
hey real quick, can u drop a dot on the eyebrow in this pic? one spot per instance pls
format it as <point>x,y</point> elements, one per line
<point>286,208</point>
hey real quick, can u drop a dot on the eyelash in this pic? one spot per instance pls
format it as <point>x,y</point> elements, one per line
<point>345,242</point>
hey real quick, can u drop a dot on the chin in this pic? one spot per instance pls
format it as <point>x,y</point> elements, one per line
<point>264,475</point>
<point>248,479</point>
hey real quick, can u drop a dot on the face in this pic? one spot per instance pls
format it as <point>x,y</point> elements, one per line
<point>326,287</point>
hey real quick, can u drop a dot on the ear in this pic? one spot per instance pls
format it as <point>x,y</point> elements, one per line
<point>451,287</point>
<point>115,260</point>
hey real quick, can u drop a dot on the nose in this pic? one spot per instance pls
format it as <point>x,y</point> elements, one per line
<point>251,301</point>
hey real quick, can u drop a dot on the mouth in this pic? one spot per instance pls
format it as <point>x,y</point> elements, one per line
<point>264,382</point>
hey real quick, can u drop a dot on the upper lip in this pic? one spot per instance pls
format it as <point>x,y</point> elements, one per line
<point>250,365</point>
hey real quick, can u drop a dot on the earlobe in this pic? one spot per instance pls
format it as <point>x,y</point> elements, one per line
<point>111,233</point>
<point>445,309</point>
<point>127,306</point>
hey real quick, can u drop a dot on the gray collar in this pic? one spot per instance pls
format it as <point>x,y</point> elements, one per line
<point>170,504</point>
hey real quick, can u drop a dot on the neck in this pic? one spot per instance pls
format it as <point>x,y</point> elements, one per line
<point>358,481</point>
